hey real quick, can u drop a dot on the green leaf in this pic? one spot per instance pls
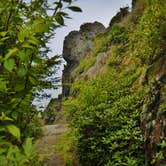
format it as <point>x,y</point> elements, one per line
<point>33,80</point>
<point>9,64</point>
<point>75,8</point>
<point>23,56</point>
<point>63,14</point>
<point>33,41</point>
<point>2,150</point>
<point>59,19</point>
<point>14,115</point>
<point>2,128</point>
<point>19,87</point>
<point>21,37</point>
<point>3,34</point>
<point>11,52</point>
<point>28,147</point>
<point>4,38</point>
<point>14,130</point>
<point>2,85</point>
<point>22,72</point>
<point>27,45</point>
<point>3,117</point>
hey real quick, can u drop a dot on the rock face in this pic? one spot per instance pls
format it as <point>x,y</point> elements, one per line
<point>78,43</point>
<point>154,115</point>
<point>77,46</point>
<point>99,66</point>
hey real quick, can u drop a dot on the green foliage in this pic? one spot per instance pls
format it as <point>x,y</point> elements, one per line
<point>101,44</point>
<point>25,29</point>
<point>118,34</point>
<point>24,156</point>
<point>11,154</point>
<point>106,115</point>
<point>106,111</point>
<point>117,54</point>
<point>119,16</point>
<point>138,7</point>
<point>75,8</point>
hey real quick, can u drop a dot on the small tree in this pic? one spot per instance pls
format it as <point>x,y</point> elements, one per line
<point>25,28</point>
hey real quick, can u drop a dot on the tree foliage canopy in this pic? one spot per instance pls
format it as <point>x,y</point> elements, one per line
<point>25,29</point>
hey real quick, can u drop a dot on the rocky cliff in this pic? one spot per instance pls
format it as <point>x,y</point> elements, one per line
<point>115,79</point>
<point>77,46</point>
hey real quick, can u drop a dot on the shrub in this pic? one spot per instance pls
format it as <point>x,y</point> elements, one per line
<point>119,16</point>
<point>66,147</point>
<point>106,116</point>
<point>101,44</point>
<point>85,65</point>
<point>118,34</point>
<point>147,37</point>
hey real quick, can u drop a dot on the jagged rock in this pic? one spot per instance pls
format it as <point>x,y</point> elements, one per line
<point>154,115</point>
<point>78,43</point>
<point>77,46</point>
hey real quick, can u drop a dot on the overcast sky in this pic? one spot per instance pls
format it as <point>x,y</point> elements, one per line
<point>93,10</point>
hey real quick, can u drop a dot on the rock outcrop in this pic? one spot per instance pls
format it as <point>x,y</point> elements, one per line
<point>78,43</point>
<point>125,48</point>
<point>77,46</point>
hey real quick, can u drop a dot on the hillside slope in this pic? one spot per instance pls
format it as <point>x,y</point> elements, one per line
<point>115,88</point>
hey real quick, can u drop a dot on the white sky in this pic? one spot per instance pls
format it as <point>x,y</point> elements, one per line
<point>93,10</point>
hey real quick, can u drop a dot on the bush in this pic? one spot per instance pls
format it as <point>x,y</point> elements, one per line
<point>147,37</point>
<point>107,117</point>
<point>119,16</point>
<point>118,34</point>
<point>101,44</point>
<point>11,152</point>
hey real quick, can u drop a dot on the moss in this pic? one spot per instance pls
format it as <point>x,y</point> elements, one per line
<point>85,65</point>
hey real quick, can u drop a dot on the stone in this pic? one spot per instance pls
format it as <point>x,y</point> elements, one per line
<point>77,46</point>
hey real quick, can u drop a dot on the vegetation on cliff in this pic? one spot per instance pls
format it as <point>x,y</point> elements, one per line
<point>25,29</point>
<point>119,116</point>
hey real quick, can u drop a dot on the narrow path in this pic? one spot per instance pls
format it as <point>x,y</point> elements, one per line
<point>46,144</point>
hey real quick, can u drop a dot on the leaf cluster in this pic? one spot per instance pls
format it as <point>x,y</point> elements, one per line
<point>25,29</point>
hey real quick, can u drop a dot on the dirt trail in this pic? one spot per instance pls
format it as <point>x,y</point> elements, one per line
<point>47,143</point>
